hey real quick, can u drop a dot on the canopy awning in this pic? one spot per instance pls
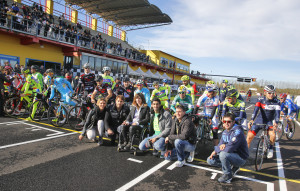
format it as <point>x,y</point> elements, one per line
<point>130,71</point>
<point>158,75</point>
<point>124,12</point>
<point>142,73</point>
<point>166,76</point>
<point>151,74</point>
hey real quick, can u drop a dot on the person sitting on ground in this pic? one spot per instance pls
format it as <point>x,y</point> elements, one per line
<point>232,151</point>
<point>139,115</point>
<point>96,116</point>
<point>182,137</point>
<point>160,126</point>
<point>114,117</point>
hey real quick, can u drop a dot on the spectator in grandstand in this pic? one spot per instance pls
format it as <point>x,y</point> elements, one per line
<point>139,115</point>
<point>15,8</point>
<point>232,151</point>
<point>182,138</point>
<point>115,115</point>
<point>160,126</point>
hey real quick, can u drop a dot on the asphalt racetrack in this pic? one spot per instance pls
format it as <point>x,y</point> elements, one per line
<point>38,156</point>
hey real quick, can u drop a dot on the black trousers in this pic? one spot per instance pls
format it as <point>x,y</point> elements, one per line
<point>1,104</point>
<point>131,129</point>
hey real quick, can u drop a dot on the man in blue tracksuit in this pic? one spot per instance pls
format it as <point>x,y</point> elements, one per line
<point>232,151</point>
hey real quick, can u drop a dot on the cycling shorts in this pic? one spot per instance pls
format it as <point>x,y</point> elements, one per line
<point>256,128</point>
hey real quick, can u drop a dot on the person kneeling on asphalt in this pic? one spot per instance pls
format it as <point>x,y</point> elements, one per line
<point>232,151</point>
<point>114,117</point>
<point>139,115</point>
<point>182,137</point>
<point>95,118</point>
<point>160,126</point>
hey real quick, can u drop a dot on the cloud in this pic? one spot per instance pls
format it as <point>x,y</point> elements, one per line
<point>242,29</point>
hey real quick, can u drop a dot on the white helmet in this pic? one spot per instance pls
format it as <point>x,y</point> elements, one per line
<point>139,81</point>
<point>86,65</point>
<point>106,68</point>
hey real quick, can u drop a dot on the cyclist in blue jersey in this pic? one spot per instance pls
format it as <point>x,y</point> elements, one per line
<point>144,91</point>
<point>288,108</point>
<point>222,94</point>
<point>64,87</point>
<point>266,111</point>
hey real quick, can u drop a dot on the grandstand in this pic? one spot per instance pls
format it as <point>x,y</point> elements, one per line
<point>61,37</point>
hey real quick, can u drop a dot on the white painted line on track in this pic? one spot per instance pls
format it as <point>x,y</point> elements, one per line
<point>172,166</point>
<point>214,174</point>
<point>248,107</point>
<point>14,122</point>
<point>36,140</point>
<point>297,122</point>
<point>282,183</point>
<point>135,160</point>
<point>143,176</point>
<point>270,185</point>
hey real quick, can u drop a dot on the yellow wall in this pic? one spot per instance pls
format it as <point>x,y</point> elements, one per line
<point>10,45</point>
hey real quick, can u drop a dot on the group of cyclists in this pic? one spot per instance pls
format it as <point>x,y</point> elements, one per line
<point>120,109</point>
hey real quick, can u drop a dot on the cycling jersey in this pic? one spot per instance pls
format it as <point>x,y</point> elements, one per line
<point>146,94</point>
<point>222,93</point>
<point>64,87</point>
<point>34,83</point>
<point>39,77</point>
<point>109,80</point>
<point>88,83</point>
<point>210,105</point>
<point>238,109</point>
<point>130,92</point>
<point>169,91</point>
<point>102,90</point>
<point>269,111</point>
<point>287,107</point>
<point>48,81</point>
<point>120,90</point>
<point>190,92</point>
<point>160,93</point>
<point>186,102</point>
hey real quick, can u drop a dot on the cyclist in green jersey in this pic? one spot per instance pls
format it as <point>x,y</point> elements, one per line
<point>160,92</point>
<point>107,79</point>
<point>189,89</point>
<point>38,76</point>
<point>182,99</point>
<point>165,81</point>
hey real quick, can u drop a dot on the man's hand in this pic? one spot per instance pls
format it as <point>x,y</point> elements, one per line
<point>212,155</point>
<point>80,137</point>
<point>134,124</point>
<point>169,152</point>
<point>250,124</point>
<point>110,132</point>
<point>125,123</point>
<point>153,140</point>
<point>93,101</point>
<point>222,147</point>
<point>209,122</point>
<point>167,140</point>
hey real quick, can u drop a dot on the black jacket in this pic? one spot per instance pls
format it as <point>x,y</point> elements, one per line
<point>186,131</point>
<point>144,116</point>
<point>114,118</point>
<point>4,79</point>
<point>92,119</point>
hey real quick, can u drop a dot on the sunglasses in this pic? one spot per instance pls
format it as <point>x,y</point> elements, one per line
<point>227,121</point>
<point>181,92</point>
<point>281,98</point>
<point>271,93</point>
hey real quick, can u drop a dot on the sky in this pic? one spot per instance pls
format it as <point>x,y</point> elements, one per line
<point>247,38</point>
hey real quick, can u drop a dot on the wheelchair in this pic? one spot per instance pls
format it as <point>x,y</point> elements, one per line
<point>138,136</point>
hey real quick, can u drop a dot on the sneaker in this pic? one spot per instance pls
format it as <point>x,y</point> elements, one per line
<point>191,157</point>
<point>179,163</point>
<point>100,142</point>
<point>16,112</point>
<point>155,152</point>
<point>63,121</point>
<point>270,154</point>
<point>225,178</point>
<point>234,170</point>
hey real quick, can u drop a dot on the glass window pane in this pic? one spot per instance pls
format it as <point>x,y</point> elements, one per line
<point>125,68</point>
<point>115,67</point>
<point>92,62</point>
<point>104,63</point>
<point>98,65</point>
<point>109,63</point>
<point>84,59</point>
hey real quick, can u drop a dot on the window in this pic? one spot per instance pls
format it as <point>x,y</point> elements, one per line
<point>114,68</point>
<point>164,61</point>
<point>92,62</point>
<point>84,59</point>
<point>110,63</point>
<point>98,64</point>
<point>104,63</point>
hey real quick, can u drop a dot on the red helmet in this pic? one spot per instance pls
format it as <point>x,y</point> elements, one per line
<point>283,95</point>
<point>8,68</point>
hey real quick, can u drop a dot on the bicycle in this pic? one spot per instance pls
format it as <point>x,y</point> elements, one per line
<point>18,104</point>
<point>288,127</point>
<point>58,113</point>
<point>42,107</point>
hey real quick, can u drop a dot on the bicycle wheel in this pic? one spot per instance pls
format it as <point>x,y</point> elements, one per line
<point>291,130</point>
<point>279,131</point>
<point>11,106</point>
<point>57,115</point>
<point>76,117</point>
<point>41,111</point>
<point>260,152</point>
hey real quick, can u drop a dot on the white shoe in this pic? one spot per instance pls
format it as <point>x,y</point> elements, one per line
<point>179,163</point>
<point>63,121</point>
<point>270,154</point>
<point>191,157</point>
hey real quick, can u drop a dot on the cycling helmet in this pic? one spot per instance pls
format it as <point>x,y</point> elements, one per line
<point>269,88</point>
<point>7,68</point>
<point>185,78</point>
<point>49,71</point>
<point>139,81</point>
<point>225,81</point>
<point>211,88</point>
<point>34,67</point>
<point>182,89</point>
<point>283,95</point>
<point>164,80</point>
<point>231,87</point>
<point>232,93</point>
<point>25,70</point>
<point>210,82</point>
<point>126,79</point>
<point>86,65</point>
<point>106,69</point>
<point>98,78</point>
<point>155,83</point>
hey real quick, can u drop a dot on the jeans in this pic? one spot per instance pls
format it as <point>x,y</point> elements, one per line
<point>226,160</point>
<point>159,144</point>
<point>183,148</point>
<point>91,133</point>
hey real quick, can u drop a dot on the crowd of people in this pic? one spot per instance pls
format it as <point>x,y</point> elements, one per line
<point>33,19</point>
<point>121,109</point>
